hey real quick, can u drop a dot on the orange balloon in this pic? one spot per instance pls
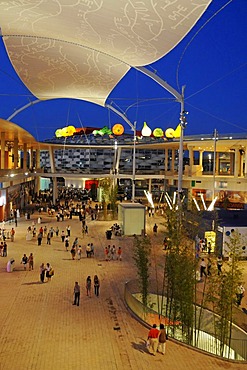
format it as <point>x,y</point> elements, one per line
<point>118,129</point>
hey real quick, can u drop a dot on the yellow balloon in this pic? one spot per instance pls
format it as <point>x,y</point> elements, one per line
<point>170,133</point>
<point>58,132</point>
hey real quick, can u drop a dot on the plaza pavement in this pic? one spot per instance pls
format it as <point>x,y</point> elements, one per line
<point>41,329</point>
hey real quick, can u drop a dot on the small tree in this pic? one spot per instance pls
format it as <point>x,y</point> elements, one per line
<point>222,291</point>
<point>142,251</point>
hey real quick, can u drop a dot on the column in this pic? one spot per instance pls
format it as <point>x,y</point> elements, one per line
<point>166,160</point>
<point>37,159</point>
<point>52,159</point>
<point>54,190</point>
<point>200,159</point>
<point>2,150</point>
<point>16,152</point>
<point>150,185</point>
<point>241,162</point>
<point>25,156</point>
<point>245,162</point>
<point>236,163</point>
<point>191,158</point>
<point>31,158</point>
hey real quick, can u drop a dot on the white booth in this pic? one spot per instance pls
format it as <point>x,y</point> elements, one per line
<point>132,219</point>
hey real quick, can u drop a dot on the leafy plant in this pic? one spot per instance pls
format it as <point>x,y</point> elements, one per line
<point>142,250</point>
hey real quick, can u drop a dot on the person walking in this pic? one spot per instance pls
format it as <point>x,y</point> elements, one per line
<point>77,290</point>
<point>153,338</point>
<point>12,234</point>
<point>219,264</point>
<point>48,238</point>
<point>88,286</point>
<point>96,285</point>
<point>79,252</point>
<point>24,261</point>
<point>30,261</point>
<point>88,250</point>
<point>49,272</point>
<point>203,268</point>
<point>42,272</point>
<point>162,340</point>
<point>66,243</point>
<point>5,248</point>
<point>119,254</point>
<point>155,229</point>
<point>106,253</point>
<point>68,230</point>
<point>57,231</point>
<point>73,251</point>
<point>240,293</point>
<point>63,236</point>
<point>39,238</point>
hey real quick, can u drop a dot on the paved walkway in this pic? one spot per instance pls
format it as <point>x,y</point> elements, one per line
<point>41,329</point>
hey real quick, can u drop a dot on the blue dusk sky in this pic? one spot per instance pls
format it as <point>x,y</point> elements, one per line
<point>211,61</point>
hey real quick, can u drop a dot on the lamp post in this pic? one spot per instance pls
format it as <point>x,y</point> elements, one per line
<point>183,123</point>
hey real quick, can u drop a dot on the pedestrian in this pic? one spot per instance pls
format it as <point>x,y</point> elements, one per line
<point>39,238</point>
<point>153,339</point>
<point>92,249</point>
<point>42,272</point>
<point>162,340</point>
<point>165,243</point>
<point>106,253</point>
<point>96,285</point>
<point>203,268</point>
<point>77,290</point>
<point>112,252</point>
<point>209,247</point>
<point>88,250</point>
<point>155,228</point>
<point>5,247</point>
<point>24,261</point>
<point>49,271</point>
<point>57,231</point>
<point>240,293</point>
<point>11,265</point>
<point>88,286</point>
<point>75,243</point>
<point>73,251</point>
<point>209,265</point>
<point>51,232</point>
<point>63,236</point>
<point>48,238</point>
<point>219,264</point>
<point>68,230</point>
<point>79,252</point>
<point>12,234</point>
<point>119,254</point>
<point>30,261</point>
<point>66,243</point>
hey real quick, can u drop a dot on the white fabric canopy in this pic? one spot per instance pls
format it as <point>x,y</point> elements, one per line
<point>81,49</point>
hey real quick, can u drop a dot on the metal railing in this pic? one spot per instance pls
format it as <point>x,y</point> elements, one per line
<point>203,336</point>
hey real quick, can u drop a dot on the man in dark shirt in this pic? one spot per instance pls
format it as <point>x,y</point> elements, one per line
<point>76,294</point>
